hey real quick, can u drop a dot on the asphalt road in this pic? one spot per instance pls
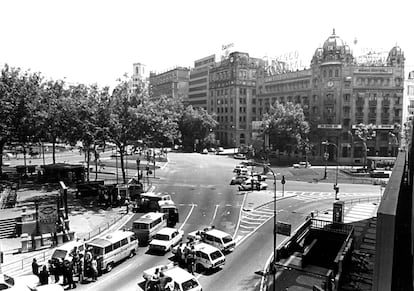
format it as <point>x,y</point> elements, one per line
<point>199,185</point>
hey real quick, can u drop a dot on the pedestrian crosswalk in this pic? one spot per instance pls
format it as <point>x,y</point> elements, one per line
<point>356,212</point>
<point>315,196</point>
<point>251,220</point>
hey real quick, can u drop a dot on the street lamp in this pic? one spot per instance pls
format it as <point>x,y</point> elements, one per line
<point>336,188</point>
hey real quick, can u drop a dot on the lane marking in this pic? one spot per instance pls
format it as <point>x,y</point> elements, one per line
<point>188,216</point>
<point>215,213</point>
<point>240,217</point>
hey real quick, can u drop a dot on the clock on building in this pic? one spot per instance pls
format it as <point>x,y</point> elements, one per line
<point>330,84</point>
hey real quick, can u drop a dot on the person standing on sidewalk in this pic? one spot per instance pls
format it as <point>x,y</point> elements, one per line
<point>94,266</point>
<point>35,267</point>
<point>44,276</point>
<point>127,205</point>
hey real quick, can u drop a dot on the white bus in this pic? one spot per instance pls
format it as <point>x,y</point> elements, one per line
<point>148,225</point>
<point>113,247</point>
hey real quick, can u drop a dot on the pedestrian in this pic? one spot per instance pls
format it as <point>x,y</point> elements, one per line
<point>94,266</point>
<point>35,267</point>
<point>170,285</point>
<point>185,254</point>
<point>162,281</point>
<point>190,260</point>
<point>179,254</point>
<point>70,280</point>
<point>81,269</point>
<point>51,268</point>
<point>65,272</point>
<point>127,205</point>
<point>44,276</point>
<point>152,283</point>
<point>56,270</point>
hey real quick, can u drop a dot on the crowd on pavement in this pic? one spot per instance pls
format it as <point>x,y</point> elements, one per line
<point>64,272</point>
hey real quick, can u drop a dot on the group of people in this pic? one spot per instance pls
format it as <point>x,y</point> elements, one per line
<point>80,266</point>
<point>159,282</point>
<point>185,256</point>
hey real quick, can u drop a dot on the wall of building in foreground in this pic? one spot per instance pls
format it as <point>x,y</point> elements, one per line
<point>393,268</point>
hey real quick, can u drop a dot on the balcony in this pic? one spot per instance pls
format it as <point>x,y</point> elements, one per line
<point>360,102</point>
<point>372,115</point>
<point>385,115</point>
<point>372,103</point>
<point>359,114</point>
<point>329,101</point>
<point>386,103</point>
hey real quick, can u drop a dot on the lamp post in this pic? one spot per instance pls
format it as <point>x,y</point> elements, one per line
<point>336,188</point>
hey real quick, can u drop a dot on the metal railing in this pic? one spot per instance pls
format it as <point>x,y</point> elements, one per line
<point>16,267</point>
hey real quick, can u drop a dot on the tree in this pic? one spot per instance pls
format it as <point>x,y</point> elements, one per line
<point>128,119</point>
<point>164,114</point>
<point>24,100</point>
<point>287,127</point>
<point>195,124</point>
<point>9,80</point>
<point>54,114</point>
<point>364,133</point>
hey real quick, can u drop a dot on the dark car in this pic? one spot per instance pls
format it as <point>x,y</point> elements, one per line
<point>238,180</point>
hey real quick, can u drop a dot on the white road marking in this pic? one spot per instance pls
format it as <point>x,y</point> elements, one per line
<point>215,213</point>
<point>188,216</point>
<point>240,217</point>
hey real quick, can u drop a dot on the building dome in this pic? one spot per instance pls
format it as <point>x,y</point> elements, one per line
<point>333,43</point>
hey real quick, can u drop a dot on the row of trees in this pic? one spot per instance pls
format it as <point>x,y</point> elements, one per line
<point>35,110</point>
<point>286,126</point>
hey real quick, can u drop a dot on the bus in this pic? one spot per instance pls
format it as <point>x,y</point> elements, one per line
<point>148,225</point>
<point>113,247</point>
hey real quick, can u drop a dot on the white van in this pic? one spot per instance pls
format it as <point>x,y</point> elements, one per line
<point>183,280</point>
<point>114,247</point>
<point>206,256</point>
<point>63,252</point>
<point>220,239</point>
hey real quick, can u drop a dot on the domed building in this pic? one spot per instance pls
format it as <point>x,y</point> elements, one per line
<point>339,92</point>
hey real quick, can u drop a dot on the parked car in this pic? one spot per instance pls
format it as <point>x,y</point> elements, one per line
<point>238,168</point>
<point>204,151</point>
<point>260,176</point>
<point>239,156</point>
<point>302,165</point>
<point>219,150</point>
<point>211,150</point>
<point>237,180</point>
<point>252,184</point>
<point>165,239</point>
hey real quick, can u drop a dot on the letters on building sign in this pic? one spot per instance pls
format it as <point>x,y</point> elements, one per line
<point>330,126</point>
<point>380,126</point>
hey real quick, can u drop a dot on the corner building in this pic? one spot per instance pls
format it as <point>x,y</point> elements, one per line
<point>232,93</point>
<point>337,93</point>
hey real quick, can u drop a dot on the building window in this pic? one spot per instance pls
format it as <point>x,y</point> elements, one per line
<point>324,73</point>
<point>336,73</point>
<point>330,73</point>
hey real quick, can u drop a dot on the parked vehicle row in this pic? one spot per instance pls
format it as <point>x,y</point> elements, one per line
<point>248,180</point>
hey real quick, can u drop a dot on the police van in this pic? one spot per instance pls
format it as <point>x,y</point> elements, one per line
<point>183,280</point>
<point>220,239</point>
<point>205,256</point>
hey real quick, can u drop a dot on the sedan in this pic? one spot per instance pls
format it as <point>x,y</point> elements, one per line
<point>166,239</point>
<point>238,180</point>
<point>252,185</point>
<point>302,165</point>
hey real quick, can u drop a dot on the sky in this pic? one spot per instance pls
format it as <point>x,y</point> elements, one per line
<point>92,41</point>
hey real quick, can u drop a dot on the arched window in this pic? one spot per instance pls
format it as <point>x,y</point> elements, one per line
<point>336,73</point>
